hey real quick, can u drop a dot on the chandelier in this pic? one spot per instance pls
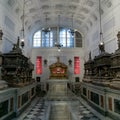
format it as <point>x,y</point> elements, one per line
<point>57,44</point>
<point>23,26</point>
<point>72,30</point>
<point>46,30</point>
<point>101,44</point>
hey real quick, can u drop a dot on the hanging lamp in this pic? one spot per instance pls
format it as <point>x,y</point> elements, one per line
<point>47,29</point>
<point>23,26</point>
<point>101,44</point>
<point>72,30</point>
<point>57,44</point>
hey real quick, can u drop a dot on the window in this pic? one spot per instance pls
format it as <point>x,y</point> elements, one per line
<point>78,39</point>
<point>37,39</point>
<point>66,38</point>
<point>63,37</point>
<point>43,39</point>
<point>47,39</point>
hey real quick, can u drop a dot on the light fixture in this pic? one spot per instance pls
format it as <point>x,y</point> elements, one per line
<point>23,26</point>
<point>101,44</point>
<point>72,30</point>
<point>70,62</point>
<point>22,43</point>
<point>1,34</point>
<point>47,29</point>
<point>45,62</point>
<point>58,45</point>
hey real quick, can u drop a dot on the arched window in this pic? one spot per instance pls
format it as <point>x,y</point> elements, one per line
<point>78,39</point>
<point>43,39</point>
<point>48,39</point>
<point>37,39</point>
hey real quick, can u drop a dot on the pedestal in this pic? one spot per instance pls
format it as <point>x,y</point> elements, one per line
<point>57,89</point>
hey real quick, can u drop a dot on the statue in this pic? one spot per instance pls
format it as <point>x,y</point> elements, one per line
<point>90,55</point>
<point>16,48</point>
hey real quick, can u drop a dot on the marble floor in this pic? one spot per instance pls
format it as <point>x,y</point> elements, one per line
<point>86,114</point>
<point>63,106</point>
<point>38,110</point>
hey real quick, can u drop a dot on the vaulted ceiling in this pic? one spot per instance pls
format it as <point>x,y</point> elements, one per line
<point>85,12</point>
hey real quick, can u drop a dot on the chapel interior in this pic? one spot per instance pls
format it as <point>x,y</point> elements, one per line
<point>59,60</point>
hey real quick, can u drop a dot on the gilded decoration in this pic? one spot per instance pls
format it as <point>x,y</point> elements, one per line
<point>58,70</point>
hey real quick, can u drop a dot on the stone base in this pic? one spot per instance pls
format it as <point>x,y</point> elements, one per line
<point>58,90</point>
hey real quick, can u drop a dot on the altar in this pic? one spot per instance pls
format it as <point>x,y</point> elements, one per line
<point>58,70</point>
<point>57,80</point>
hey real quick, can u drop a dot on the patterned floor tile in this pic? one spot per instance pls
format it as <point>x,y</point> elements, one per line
<point>38,112</point>
<point>85,114</point>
